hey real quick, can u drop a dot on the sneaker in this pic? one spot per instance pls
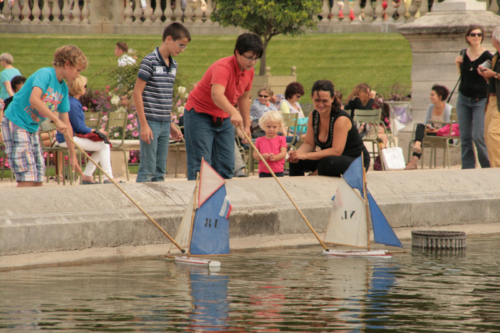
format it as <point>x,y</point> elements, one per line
<point>240,173</point>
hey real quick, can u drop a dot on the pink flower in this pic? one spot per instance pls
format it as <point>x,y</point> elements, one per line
<point>117,134</point>
<point>129,127</point>
<point>85,108</point>
<point>107,88</point>
<point>135,134</point>
<point>130,116</point>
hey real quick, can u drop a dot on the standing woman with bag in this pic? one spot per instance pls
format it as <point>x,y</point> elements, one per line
<point>472,96</point>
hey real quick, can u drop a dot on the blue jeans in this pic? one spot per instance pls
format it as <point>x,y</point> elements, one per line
<point>214,143</point>
<point>153,165</point>
<point>470,112</point>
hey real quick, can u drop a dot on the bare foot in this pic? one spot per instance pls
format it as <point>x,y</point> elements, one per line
<point>411,166</point>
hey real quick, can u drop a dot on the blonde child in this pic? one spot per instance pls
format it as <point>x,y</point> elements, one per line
<point>44,94</point>
<point>271,146</point>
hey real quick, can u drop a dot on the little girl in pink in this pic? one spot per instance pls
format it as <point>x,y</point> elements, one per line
<point>271,146</point>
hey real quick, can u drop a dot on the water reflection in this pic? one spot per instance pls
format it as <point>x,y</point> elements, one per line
<point>295,290</point>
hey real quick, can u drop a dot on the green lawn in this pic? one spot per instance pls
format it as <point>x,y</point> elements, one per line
<point>380,60</point>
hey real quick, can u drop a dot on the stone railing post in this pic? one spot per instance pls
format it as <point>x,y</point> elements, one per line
<point>157,14</point>
<point>85,12</point>
<point>26,13</point>
<point>335,12</point>
<point>148,13</point>
<point>357,12</point>
<point>208,13</point>
<point>56,13</point>
<point>325,11</point>
<point>77,14</point>
<point>346,11</point>
<point>368,10</point>
<point>138,13</point>
<point>177,10</point>
<point>379,12</point>
<point>188,13</point>
<point>66,12</point>
<point>109,12</point>
<point>36,13</point>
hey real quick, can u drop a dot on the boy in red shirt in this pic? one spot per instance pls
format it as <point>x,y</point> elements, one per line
<point>210,112</point>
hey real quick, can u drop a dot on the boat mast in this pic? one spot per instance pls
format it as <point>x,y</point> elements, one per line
<point>367,206</point>
<point>194,211</point>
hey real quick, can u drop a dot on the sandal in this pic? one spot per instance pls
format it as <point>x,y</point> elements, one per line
<point>107,181</point>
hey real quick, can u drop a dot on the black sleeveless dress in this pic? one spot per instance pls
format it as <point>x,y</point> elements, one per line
<point>354,144</point>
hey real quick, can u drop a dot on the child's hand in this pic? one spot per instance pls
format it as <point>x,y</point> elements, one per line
<point>271,157</point>
<point>61,126</point>
<point>146,134</point>
<point>265,156</point>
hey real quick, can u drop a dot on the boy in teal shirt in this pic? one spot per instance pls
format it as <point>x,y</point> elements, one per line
<point>43,94</point>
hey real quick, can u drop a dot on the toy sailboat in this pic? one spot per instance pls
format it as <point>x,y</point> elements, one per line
<point>351,215</point>
<point>204,229</point>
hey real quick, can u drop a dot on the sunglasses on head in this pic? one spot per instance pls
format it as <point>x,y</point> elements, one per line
<point>473,34</point>
<point>263,96</point>
<point>85,86</point>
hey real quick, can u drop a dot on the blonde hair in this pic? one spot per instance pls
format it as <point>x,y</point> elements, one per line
<point>266,89</point>
<point>72,54</point>
<point>77,86</point>
<point>271,116</point>
<point>362,87</point>
<point>7,57</point>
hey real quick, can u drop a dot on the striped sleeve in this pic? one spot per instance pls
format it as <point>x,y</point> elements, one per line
<point>145,70</point>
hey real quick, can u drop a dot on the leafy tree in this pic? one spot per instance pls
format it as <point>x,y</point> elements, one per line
<point>268,18</point>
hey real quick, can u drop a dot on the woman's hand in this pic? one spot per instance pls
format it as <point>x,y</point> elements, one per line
<point>373,93</point>
<point>485,72</point>
<point>459,60</point>
<point>295,155</point>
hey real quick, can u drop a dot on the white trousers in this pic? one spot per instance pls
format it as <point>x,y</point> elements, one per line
<point>101,154</point>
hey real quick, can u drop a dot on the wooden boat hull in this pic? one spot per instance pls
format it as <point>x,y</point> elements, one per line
<point>196,261</point>
<point>358,253</point>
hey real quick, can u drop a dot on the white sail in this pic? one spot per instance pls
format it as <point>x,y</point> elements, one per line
<point>184,231</point>
<point>347,224</point>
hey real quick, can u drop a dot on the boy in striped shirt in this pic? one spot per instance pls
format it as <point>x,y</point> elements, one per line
<point>153,100</point>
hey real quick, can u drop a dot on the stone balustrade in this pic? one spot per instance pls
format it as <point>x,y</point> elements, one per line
<point>132,17</point>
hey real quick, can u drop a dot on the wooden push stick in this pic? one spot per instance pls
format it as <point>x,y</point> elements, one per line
<point>289,197</point>
<point>126,194</point>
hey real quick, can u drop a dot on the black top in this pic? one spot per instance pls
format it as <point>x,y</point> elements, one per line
<point>354,144</point>
<point>356,103</point>
<point>474,85</point>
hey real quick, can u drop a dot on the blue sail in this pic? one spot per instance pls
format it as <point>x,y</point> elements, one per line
<point>354,175</point>
<point>381,229</point>
<point>211,225</point>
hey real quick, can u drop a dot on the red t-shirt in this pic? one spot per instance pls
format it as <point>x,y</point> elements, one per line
<point>265,145</point>
<point>227,73</point>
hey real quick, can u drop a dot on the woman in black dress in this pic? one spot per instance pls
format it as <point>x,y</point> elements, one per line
<point>331,129</point>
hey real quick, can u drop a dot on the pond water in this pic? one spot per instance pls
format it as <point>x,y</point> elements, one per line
<point>285,290</point>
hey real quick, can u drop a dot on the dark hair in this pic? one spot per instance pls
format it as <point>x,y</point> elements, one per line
<point>294,88</point>
<point>176,31</point>
<point>441,91</point>
<point>17,80</point>
<point>326,85</point>
<point>122,46</point>
<point>473,27</point>
<point>249,42</point>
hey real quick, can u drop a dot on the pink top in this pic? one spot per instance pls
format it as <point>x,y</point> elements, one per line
<point>265,145</point>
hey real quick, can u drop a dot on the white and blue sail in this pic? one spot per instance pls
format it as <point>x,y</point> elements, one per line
<point>204,229</point>
<point>348,224</point>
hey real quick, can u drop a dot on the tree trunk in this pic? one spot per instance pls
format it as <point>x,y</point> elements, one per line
<point>262,69</point>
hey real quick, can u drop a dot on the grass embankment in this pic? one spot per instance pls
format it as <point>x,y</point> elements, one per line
<point>380,60</point>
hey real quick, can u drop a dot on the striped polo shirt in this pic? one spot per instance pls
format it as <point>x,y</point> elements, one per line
<point>160,78</point>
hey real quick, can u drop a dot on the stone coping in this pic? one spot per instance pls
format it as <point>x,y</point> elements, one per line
<point>37,221</point>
